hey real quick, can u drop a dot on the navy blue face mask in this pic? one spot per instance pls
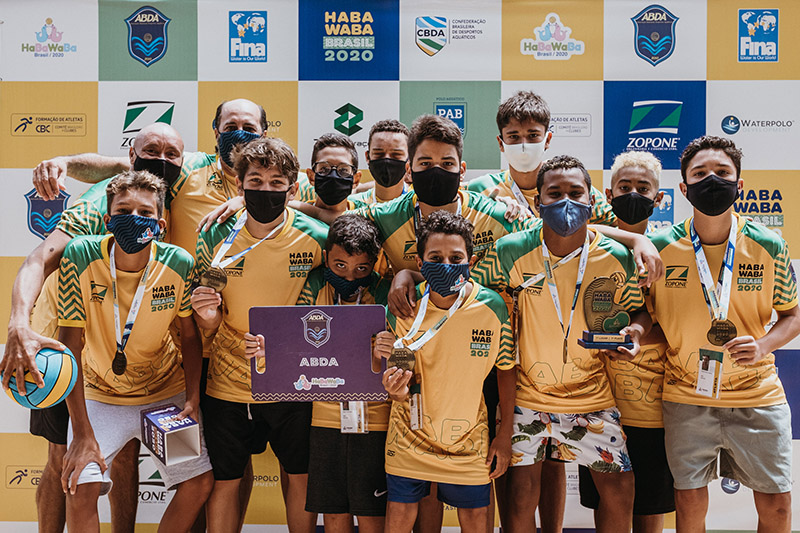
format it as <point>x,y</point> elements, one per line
<point>566,216</point>
<point>133,233</point>
<point>343,287</point>
<point>229,139</point>
<point>445,278</point>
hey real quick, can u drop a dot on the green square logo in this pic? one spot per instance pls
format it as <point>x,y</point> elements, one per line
<point>141,42</point>
<point>472,105</point>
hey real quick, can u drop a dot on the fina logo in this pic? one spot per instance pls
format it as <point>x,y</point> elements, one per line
<point>431,34</point>
<point>654,38</point>
<point>247,33</point>
<point>758,35</point>
<point>654,125</point>
<point>731,124</point>
<point>147,35</point>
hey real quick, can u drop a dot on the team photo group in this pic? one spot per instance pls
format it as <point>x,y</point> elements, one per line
<point>530,319</point>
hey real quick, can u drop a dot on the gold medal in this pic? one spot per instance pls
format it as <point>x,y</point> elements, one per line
<point>215,278</point>
<point>403,358</point>
<point>120,363</point>
<point>720,332</point>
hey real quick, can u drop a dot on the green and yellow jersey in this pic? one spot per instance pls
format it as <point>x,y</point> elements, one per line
<point>85,301</point>
<point>318,292</point>
<point>545,382</point>
<point>452,445</point>
<point>305,190</point>
<point>601,211</point>
<point>396,222</point>
<point>763,280</point>
<point>273,273</point>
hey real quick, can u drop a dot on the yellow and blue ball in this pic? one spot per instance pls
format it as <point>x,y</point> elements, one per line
<point>59,372</point>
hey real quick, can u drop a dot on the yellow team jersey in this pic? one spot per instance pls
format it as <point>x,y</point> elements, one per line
<point>396,222</point>
<point>305,190</point>
<point>545,382</point>
<point>763,280</point>
<point>85,301</point>
<point>452,445</point>
<point>601,211</point>
<point>318,292</point>
<point>271,274</point>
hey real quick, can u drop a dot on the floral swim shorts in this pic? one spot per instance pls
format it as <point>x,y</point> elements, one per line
<point>594,439</point>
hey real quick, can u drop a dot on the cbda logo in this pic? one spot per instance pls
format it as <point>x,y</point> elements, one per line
<point>247,36</point>
<point>147,35</point>
<point>654,38</point>
<point>731,124</point>
<point>431,34</point>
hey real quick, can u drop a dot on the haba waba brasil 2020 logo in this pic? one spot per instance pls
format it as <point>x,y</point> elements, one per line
<point>247,36</point>
<point>551,41</point>
<point>758,35</point>
<point>140,114</point>
<point>147,35</point>
<point>43,215</point>
<point>662,117</point>
<point>654,35</point>
<point>49,42</point>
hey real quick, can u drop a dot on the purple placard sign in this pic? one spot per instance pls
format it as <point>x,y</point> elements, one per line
<point>319,353</point>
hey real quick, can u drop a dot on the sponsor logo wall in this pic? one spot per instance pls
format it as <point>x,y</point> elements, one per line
<point>86,75</point>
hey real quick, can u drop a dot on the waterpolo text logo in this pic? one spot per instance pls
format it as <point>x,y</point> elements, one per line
<point>430,34</point>
<point>551,41</point>
<point>654,125</point>
<point>147,35</point>
<point>732,124</point>
<point>654,38</point>
<point>247,36</point>
<point>53,48</point>
<point>758,35</point>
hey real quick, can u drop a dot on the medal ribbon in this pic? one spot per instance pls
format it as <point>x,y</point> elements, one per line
<point>423,308</point>
<point>527,283</point>
<point>228,242</point>
<point>553,289</point>
<point>418,215</point>
<point>517,192</point>
<point>123,336</point>
<point>717,297</point>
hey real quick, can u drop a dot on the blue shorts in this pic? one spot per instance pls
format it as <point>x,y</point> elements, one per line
<point>409,490</point>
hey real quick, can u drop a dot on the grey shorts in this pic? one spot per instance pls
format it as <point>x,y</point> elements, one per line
<point>754,445</point>
<point>115,425</point>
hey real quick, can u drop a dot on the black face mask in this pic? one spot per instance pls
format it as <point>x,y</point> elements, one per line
<point>264,206</point>
<point>436,186</point>
<point>387,172</point>
<point>712,195</point>
<point>632,208</point>
<point>333,189</point>
<point>162,168</point>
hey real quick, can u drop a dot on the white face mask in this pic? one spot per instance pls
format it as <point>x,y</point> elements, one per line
<point>524,157</point>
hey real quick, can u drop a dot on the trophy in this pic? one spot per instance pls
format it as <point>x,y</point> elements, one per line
<point>604,317</point>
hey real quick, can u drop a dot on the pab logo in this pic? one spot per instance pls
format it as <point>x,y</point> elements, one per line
<point>49,42</point>
<point>140,114</point>
<point>247,36</point>
<point>551,41</point>
<point>43,215</point>
<point>758,35</point>
<point>455,112</point>
<point>348,119</point>
<point>147,35</point>
<point>731,124</point>
<point>654,125</point>
<point>654,38</point>
<point>316,328</point>
<point>431,34</point>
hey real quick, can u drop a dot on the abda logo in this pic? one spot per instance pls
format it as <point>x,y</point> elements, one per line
<point>349,118</point>
<point>654,125</point>
<point>731,124</point>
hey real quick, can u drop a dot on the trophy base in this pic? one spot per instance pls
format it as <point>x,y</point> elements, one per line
<point>601,340</point>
